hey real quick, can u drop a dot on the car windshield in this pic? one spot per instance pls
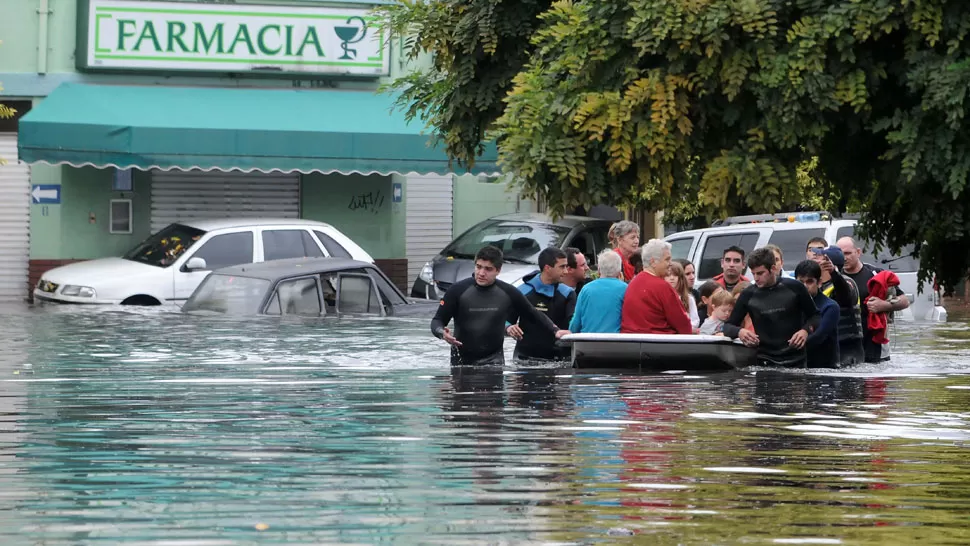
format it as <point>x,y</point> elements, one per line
<point>163,248</point>
<point>519,241</point>
<point>228,294</point>
<point>904,262</point>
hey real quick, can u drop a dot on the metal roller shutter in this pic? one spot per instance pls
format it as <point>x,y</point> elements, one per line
<point>429,219</point>
<point>185,195</point>
<point>14,221</point>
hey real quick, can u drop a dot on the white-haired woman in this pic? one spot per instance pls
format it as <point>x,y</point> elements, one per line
<point>650,305</point>
<point>625,238</point>
<point>600,304</point>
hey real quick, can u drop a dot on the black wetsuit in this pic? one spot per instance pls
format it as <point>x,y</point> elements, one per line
<point>777,312</point>
<point>480,313</point>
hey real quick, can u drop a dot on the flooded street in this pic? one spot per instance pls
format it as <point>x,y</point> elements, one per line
<point>149,427</point>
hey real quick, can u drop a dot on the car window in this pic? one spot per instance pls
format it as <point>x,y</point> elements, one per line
<point>226,250</point>
<point>388,291</point>
<point>601,240</point>
<point>904,262</point>
<point>333,247</point>
<point>792,243</point>
<point>519,241</point>
<point>228,294</point>
<point>164,247</point>
<point>680,248</point>
<point>710,265</point>
<point>583,241</point>
<point>299,297</point>
<point>280,244</point>
<point>355,294</point>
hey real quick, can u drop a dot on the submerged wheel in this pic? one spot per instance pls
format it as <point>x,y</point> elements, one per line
<point>141,299</point>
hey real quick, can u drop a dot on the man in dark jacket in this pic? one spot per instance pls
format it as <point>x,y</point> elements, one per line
<point>554,299</point>
<point>822,344</point>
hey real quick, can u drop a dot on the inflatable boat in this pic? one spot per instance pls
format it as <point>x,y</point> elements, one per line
<point>649,352</point>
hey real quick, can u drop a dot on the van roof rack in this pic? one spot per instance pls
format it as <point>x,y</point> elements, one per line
<point>778,217</point>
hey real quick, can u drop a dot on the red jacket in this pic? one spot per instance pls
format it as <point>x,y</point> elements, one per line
<point>879,288</point>
<point>720,280</point>
<point>651,306</point>
<point>628,270</point>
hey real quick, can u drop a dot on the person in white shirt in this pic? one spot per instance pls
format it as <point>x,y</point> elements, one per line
<point>678,280</point>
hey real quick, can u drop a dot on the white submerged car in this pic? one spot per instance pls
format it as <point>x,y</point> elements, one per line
<point>168,266</point>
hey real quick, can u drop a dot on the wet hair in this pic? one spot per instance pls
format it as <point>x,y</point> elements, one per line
<point>808,268</point>
<point>622,229</point>
<point>549,257</point>
<point>761,257</point>
<point>609,264</point>
<point>733,248</point>
<point>775,249</point>
<point>683,292</point>
<point>709,288</point>
<point>722,297</point>
<point>571,253</point>
<point>816,241</point>
<point>492,255</point>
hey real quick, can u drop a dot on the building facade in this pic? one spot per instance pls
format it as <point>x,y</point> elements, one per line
<point>133,114</point>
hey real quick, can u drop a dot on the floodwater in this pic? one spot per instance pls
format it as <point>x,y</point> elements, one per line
<point>149,427</point>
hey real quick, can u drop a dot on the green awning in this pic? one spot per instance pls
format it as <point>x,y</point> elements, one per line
<point>231,129</point>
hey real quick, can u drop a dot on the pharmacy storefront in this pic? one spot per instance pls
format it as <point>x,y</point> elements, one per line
<point>130,158</point>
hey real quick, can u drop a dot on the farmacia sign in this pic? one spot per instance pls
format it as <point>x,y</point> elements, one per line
<point>126,34</point>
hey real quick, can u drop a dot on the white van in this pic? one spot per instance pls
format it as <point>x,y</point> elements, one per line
<point>704,247</point>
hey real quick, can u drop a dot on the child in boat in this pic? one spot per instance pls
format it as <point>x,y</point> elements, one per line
<point>736,292</point>
<point>722,303</point>
<point>706,291</point>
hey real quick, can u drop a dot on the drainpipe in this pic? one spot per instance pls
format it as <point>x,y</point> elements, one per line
<point>43,11</point>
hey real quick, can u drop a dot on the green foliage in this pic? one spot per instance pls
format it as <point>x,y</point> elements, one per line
<point>660,103</point>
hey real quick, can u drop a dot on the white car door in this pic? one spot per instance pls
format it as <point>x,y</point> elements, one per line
<point>220,250</point>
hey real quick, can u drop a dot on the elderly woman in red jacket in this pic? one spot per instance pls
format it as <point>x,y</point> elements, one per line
<point>625,238</point>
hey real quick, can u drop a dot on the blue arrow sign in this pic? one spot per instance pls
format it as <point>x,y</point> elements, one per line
<point>397,192</point>
<point>46,194</point>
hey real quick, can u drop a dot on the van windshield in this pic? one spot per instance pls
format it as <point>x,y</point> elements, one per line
<point>904,262</point>
<point>163,248</point>
<point>519,241</point>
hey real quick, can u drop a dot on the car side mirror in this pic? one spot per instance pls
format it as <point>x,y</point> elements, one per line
<point>196,264</point>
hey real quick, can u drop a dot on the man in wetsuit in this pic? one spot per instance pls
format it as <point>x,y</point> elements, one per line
<point>546,292</point>
<point>822,344</point>
<point>732,264</point>
<point>782,313</point>
<point>480,306</point>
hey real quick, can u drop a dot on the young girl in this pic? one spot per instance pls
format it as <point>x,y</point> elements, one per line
<point>676,278</point>
<point>722,303</point>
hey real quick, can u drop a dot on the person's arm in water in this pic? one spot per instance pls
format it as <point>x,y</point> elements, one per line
<point>806,306</point>
<point>827,325</point>
<point>446,311</point>
<point>521,306</point>
<point>732,326</point>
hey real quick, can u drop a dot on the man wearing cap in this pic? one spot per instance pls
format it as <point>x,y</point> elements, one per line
<point>844,292</point>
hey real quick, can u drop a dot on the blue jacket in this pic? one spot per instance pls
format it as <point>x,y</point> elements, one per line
<point>599,308</point>
<point>823,343</point>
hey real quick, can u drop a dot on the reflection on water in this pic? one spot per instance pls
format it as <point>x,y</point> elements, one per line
<point>154,428</point>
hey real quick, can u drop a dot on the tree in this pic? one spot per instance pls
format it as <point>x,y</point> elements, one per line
<point>649,102</point>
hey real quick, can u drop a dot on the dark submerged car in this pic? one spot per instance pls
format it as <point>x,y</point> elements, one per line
<point>304,287</point>
<point>521,237</point>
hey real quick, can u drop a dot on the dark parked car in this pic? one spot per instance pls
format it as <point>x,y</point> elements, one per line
<point>521,237</point>
<point>306,287</point>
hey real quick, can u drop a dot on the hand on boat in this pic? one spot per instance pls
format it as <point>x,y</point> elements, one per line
<point>749,338</point>
<point>514,331</point>
<point>798,340</point>
<point>452,340</point>
<point>561,333</point>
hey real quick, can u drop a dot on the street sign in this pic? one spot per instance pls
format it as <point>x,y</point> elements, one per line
<point>46,194</point>
<point>397,192</point>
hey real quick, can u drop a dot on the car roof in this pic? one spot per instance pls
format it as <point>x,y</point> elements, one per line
<point>777,226</point>
<point>278,269</point>
<point>210,224</point>
<point>541,218</point>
